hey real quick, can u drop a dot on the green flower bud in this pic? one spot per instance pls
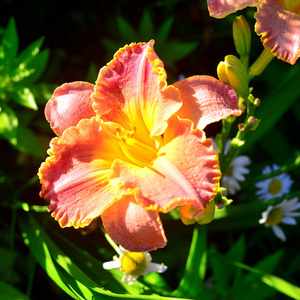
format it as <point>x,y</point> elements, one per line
<point>242,38</point>
<point>233,72</point>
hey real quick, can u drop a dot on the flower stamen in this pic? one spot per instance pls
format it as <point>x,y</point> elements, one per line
<point>133,263</point>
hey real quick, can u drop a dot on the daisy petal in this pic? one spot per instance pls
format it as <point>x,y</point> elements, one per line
<point>222,8</point>
<point>279,232</point>
<point>206,100</point>
<point>75,176</point>
<point>70,103</point>
<point>132,226</point>
<point>279,30</point>
<point>132,91</point>
<point>112,264</point>
<point>288,220</point>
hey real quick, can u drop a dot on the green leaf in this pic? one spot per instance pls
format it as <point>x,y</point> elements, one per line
<point>164,31</point>
<point>273,281</point>
<point>274,105</point>
<point>190,284</point>
<point>38,65</point>
<point>8,123</point>
<point>174,51</point>
<point>128,33</point>
<point>10,45</point>
<point>78,273</point>
<point>28,142</point>
<point>146,27</point>
<point>9,292</point>
<point>23,96</point>
<point>23,66</point>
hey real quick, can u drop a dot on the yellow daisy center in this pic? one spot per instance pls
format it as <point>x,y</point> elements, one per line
<point>134,263</point>
<point>275,186</point>
<point>275,216</point>
<point>290,5</point>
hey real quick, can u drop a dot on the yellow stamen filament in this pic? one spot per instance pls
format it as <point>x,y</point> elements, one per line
<point>133,263</point>
<point>275,186</point>
<point>139,153</point>
<point>275,216</point>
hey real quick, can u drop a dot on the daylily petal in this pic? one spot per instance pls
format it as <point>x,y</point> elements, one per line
<point>222,8</point>
<point>279,30</point>
<point>75,176</point>
<point>132,91</point>
<point>186,171</point>
<point>206,100</point>
<point>70,103</point>
<point>132,226</point>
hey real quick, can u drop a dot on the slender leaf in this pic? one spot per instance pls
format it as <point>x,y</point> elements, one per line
<point>190,284</point>
<point>9,292</point>
<point>273,281</point>
<point>8,123</point>
<point>10,44</point>
<point>146,27</point>
<point>174,51</point>
<point>164,31</point>
<point>128,33</point>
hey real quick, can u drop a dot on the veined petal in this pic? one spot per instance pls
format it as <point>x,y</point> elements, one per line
<point>75,176</point>
<point>186,171</point>
<point>206,100</point>
<point>279,30</point>
<point>132,91</point>
<point>222,8</point>
<point>132,226</point>
<point>70,103</point>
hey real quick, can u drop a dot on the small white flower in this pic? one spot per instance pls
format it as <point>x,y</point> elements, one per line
<point>133,265</point>
<point>281,213</point>
<point>274,187</point>
<point>236,171</point>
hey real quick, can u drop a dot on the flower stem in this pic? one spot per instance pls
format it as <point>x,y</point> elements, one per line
<point>111,242</point>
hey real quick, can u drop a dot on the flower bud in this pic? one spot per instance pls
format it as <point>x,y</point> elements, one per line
<point>233,72</point>
<point>190,215</point>
<point>242,37</point>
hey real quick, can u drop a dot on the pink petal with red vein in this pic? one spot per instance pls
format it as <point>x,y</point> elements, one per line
<point>222,8</point>
<point>206,100</point>
<point>75,176</point>
<point>132,91</point>
<point>133,227</point>
<point>70,103</point>
<point>186,171</point>
<point>279,30</point>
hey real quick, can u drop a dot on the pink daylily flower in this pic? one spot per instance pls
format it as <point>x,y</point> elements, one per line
<point>131,147</point>
<point>277,22</point>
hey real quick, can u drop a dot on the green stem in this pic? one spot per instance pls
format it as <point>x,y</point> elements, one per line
<point>111,242</point>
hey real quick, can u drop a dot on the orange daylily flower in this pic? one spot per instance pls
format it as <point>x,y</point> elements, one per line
<point>277,22</point>
<point>131,147</point>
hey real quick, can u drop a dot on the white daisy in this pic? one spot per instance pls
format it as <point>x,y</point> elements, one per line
<point>274,187</point>
<point>133,265</point>
<point>281,213</point>
<point>236,171</point>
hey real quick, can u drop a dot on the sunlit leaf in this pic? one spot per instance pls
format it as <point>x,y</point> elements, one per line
<point>8,123</point>
<point>23,96</point>
<point>273,281</point>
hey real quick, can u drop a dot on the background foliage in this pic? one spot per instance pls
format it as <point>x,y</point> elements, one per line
<point>45,44</point>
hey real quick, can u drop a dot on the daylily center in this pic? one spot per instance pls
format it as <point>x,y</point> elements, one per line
<point>139,153</point>
<point>290,5</point>
<point>133,263</point>
<point>275,216</point>
<point>275,186</point>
